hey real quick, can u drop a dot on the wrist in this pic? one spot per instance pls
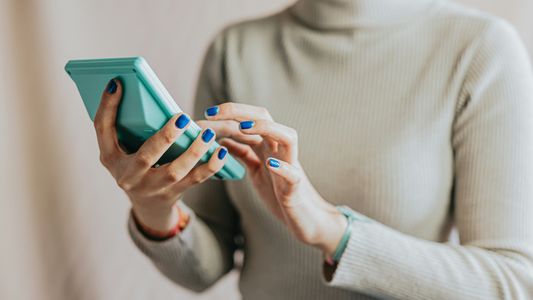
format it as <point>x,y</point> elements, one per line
<point>335,226</point>
<point>160,220</point>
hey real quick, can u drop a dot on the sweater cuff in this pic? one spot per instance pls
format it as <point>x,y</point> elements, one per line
<point>150,247</point>
<point>362,258</point>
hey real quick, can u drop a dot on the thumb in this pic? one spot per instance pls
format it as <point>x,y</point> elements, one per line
<point>242,152</point>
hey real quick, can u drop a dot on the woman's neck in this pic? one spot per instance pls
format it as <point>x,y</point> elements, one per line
<point>345,14</point>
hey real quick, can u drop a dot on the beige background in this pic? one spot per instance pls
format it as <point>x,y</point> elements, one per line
<point>62,219</point>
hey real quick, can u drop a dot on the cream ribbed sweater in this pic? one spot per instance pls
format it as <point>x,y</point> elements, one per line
<point>416,113</point>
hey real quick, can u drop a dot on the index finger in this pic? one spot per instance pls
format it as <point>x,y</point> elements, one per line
<point>105,118</point>
<point>237,111</point>
<point>230,128</point>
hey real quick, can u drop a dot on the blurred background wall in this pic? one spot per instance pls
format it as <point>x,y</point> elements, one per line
<point>62,218</point>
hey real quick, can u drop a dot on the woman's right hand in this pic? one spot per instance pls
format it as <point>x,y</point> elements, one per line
<point>152,191</point>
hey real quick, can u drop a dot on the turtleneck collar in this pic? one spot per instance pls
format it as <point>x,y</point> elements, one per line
<point>345,14</point>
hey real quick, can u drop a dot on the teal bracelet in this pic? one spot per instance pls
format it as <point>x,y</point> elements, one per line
<point>345,236</point>
<point>351,216</point>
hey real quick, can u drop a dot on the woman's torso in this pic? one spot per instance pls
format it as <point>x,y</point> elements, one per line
<point>374,110</point>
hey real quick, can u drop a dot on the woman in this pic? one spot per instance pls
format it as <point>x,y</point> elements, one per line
<point>416,114</point>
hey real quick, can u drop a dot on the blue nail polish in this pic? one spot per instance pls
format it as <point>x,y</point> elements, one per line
<point>273,163</point>
<point>222,153</point>
<point>182,121</point>
<point>247,124</point>
<point>208,135</point>
<point>111,86</point>
<point>212,111</point>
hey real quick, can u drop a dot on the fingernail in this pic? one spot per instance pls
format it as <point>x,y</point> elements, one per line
<point>212,111</point>
<point>247,124</point>
<point>111,86</point>
<point>274,163</point>
<point>182,121</point>
<point>222,153</point>
<point>208,135</point>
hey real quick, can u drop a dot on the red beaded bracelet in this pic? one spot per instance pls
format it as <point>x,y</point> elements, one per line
<point>183,220</point>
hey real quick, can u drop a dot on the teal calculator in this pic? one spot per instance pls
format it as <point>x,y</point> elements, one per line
<point>146,106</point>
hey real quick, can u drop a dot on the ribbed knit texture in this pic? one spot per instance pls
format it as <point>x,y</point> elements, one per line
<point>416,113</point>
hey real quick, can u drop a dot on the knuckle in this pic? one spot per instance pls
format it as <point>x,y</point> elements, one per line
<point>260,124</point>
<point>228,107</point>
<point>168,136</point>
<point>168,139</point>
<point>197,178</point>
<point>106,159</point>
<point>171,176</point>
<point>293,135</point>
<point>296,178</point>
<point>99,126</point>
<point>263,111</point>
<point>213,168</point>
<point>196,152</point>
<point>103,159</point>
<point>124,184</point>
<point>296,181</point>
<point>142,160</point>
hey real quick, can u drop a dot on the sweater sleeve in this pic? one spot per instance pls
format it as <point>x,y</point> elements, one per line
<point>203,252</point>
<point>492,139</point>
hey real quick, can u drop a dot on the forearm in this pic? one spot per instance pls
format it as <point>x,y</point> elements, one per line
<point>159,224</point>
<point>383,262</point>
<point>195,258</point>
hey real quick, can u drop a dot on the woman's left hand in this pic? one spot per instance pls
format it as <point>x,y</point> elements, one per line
<point>270,152</point>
